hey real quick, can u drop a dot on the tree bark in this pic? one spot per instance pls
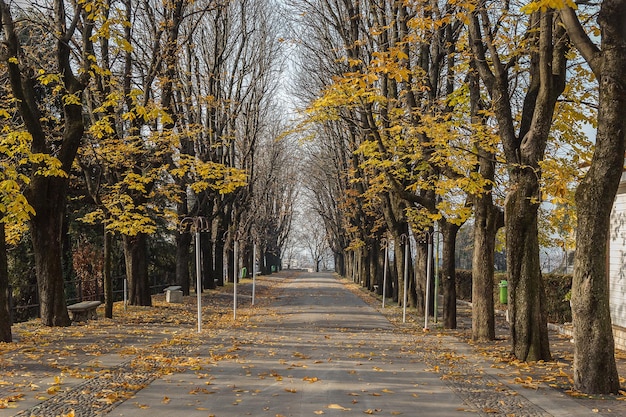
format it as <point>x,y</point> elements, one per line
<point>5,312</point>
<point>529,334</point>
<point>135,254</point>
<point>595,370</point>
<point>46,233</point>
<point>183,242</point>
<point>448,272</point>
<point>485,228</point>
<point>207,262</point>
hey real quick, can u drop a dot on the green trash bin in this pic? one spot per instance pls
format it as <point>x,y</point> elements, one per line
<point>244,272</point>
<point>504,295</point>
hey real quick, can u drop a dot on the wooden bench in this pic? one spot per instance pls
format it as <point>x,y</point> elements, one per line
<point>83,311</point>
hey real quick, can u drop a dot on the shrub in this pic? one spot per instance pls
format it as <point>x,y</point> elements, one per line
<point>556,286</point>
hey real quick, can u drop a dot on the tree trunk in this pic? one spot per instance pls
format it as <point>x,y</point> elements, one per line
<point>219,262</point>
<point>595,371</point>
<point>340,266</point>
<point>107,276</point>
<point>417,286</point>
<point>208,281</point>
<point>5,312</point>
<point>46,227</point>
<point>485,228</point>
<point>183,242</point>
<point>448,273</point>
<point>135,254</point>
<point>529,329</point>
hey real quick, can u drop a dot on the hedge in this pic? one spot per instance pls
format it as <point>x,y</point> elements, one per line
<point>557,288</point>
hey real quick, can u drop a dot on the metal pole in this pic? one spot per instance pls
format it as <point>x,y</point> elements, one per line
<point>198,278</point>
<point>436,306</point>
<point>385,271</point>
<point>406,275</point>
<point>235,275</point>
<point>428,269</point>
<point>253,271</point>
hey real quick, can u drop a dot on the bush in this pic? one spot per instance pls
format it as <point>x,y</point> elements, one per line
<point>556,286</point>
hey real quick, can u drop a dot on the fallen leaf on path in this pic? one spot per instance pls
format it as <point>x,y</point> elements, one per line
<point>337,407</point>
<point>53,390</point>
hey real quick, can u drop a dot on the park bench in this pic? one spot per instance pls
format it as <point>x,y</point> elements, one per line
<point>83,311</point>
<point>173,294</point>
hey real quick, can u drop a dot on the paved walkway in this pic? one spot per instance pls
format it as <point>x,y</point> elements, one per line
<point>315,348</point>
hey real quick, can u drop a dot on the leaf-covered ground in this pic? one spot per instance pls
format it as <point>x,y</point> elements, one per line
<point>107,361</point>
<point>556,374</point>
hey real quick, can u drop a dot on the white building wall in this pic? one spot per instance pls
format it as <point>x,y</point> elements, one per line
<point>617,264</point>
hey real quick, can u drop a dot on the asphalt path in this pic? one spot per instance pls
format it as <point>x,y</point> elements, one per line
<point>316,349</point>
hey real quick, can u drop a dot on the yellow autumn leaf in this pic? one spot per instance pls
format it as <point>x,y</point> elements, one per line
<point>337,407</point>
<point>53,390</point>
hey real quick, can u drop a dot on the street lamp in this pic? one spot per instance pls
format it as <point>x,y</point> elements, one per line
<point>196,225</point>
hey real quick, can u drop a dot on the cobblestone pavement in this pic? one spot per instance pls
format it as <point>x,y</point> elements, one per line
<point>280,359</point>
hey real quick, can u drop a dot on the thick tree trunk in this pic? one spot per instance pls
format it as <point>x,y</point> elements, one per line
<point>448,272</point>
<point>46,228</point>
<point>135,254</point>
<point>529,329</point>
<point>485,228</point>
<point>594,358</point>
<point>5,312</point>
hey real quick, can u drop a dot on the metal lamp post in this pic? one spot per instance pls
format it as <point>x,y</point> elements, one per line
<point>196,225</point>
